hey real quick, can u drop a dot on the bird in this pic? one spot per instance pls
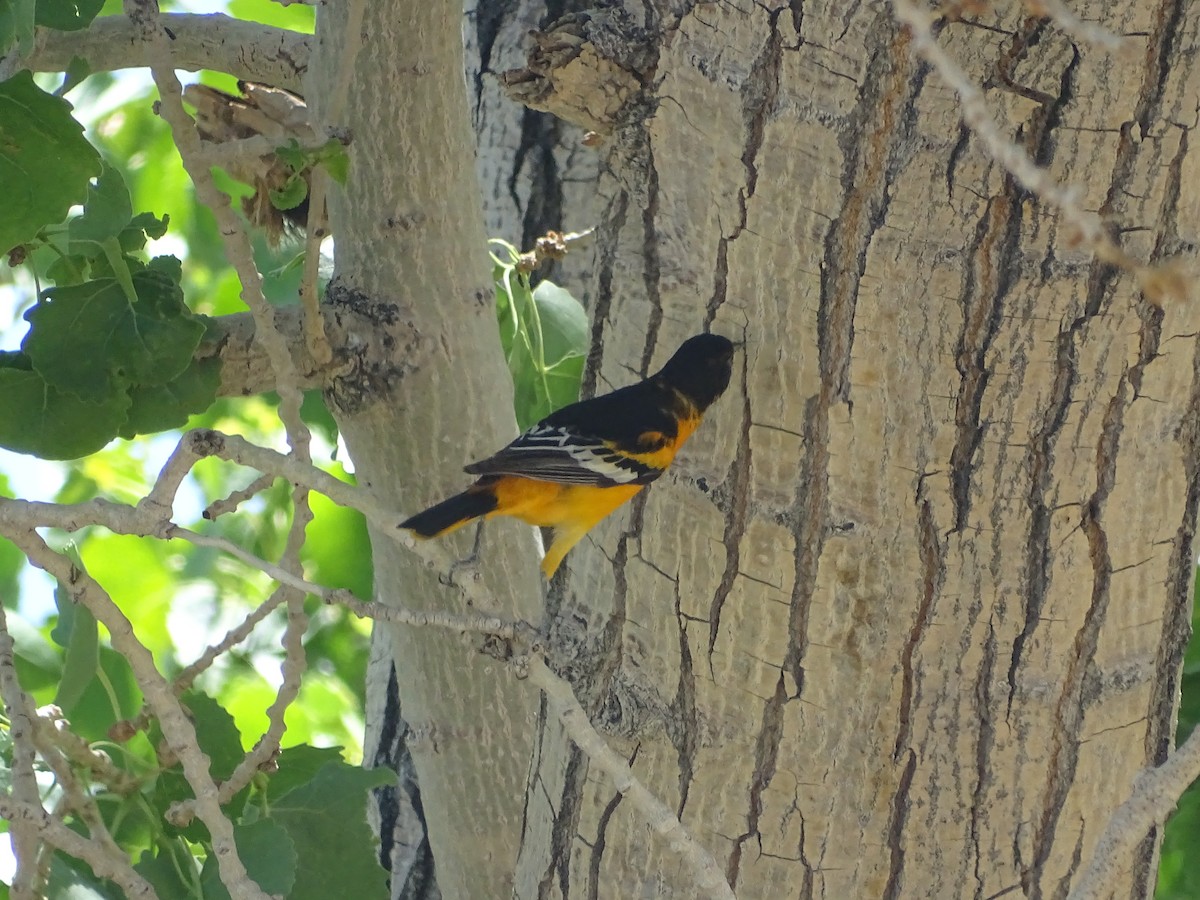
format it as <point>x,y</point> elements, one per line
<point>585,460</point>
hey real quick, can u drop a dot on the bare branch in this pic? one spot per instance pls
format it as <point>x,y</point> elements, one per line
<point>654,812</point>
<point>1086,228</point>
<point>54,832</point>
<point>246,50</point>
<point>237,244</point>
<point>1156,791</point>
<point>24,783</point>
<point>177,728</point>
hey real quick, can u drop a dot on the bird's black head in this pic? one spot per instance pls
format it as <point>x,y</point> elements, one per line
<point>700,369</point>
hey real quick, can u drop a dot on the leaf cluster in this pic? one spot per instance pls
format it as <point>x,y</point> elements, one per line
<point>543,332</point>
<point>110,347</point>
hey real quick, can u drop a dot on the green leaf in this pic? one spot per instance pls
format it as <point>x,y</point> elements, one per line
<point>292,154</point>
<point>269,856</point>
<point>142,226</point>
<point>564,326</point>
<point>216,733</point>
<point>1178,876</point>
<point>162,406</point>
<point>327,820</point>
<point>336,161</point>
<point>94,713</point>
<point>77,70</point>
<point>36,128</point>
<point>171,869</point>
<point>291,195</point>
<point>67,15</point>
<point>71,879</point>
<point>107,210</point>
<point>544,336</point>
<point>83,648</point>
<point>31,648</point>
<point>17,19</point>
<point>37,418</point>
<point>89,340</point>
<point>298,766</point>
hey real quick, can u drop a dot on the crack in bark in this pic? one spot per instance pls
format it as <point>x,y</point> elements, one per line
<point>736,513</point>
<point>886,100</point>
<point>983,749</point>
<point>874,145</point>
<point>1039,459</point>
<point>808,515</point>
<point>613,222</point>
<point>766,755</point>
<point>995,263</point>
<point>933,574</point>
<point>596,857</point>
<point>1039,462</point>
<point>895,836</point>
<point>683,728</point>
<point>1072,703</point>
<point>566,824</point>
<point>651,266</point>
<point>759,92</point>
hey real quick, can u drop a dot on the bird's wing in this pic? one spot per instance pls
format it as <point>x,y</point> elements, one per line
<point>563,454</point>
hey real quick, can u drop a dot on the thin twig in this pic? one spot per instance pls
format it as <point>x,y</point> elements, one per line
<point>1156,791</point>
<point>218,508</point>
<point>292,669</point>
<point>177,728</point>
<point>1087,227</point>
<point>1070,23</point>
<point>55,832</point>
<point>237,245</point>
<point>22,731</point>
<point>654,812</point>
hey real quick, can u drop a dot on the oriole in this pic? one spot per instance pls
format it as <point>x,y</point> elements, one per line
<point>578,464</point>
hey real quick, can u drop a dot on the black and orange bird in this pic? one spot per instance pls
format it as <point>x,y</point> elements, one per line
<point>578,464</point>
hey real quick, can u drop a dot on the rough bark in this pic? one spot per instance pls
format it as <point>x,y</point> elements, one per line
<point>428,392</point>
<point>909,613</point>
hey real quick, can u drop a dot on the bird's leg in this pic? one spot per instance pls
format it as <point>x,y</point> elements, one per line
<point>471,561</point>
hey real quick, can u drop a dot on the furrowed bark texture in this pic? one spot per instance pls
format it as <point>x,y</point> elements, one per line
<point>535,173</point>
<point>412,302</point>
<point>909,611</point>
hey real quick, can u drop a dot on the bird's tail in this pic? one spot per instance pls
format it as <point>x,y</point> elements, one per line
<point>450,514</point>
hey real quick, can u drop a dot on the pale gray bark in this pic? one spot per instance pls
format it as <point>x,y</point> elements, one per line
<point>429,394</point>
<point>245,50</point>
<point>909,611</point>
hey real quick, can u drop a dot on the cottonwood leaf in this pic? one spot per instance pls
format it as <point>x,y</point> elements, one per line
<point>157,407</point>
<point>269,856</point>
<point>90,340</point>
<point>46,163</point>
<point>38,418</point>
<point>327,820</point>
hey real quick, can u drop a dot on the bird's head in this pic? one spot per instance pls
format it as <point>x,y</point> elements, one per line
<point>700,369</point>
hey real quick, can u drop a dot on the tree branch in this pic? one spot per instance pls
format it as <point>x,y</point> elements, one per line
<point>54,832</point>
<point>1156,792</point>
<point>246,367</point>
<point>246,50</point>
<point>563,703</point>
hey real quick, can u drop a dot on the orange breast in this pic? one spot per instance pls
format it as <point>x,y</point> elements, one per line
<point>549,504</point>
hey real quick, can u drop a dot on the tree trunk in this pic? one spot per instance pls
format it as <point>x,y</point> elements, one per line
<point>908,613</point>
<point>428,393</point>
